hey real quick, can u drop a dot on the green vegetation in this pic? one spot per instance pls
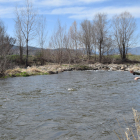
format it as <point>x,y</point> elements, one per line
<point>23,74</point>
<point>129,57</point>
<point>13,58</point>
<point>46,73</point>
<point>117,58</point>
<point>134,57</point>
<point>16,59</point>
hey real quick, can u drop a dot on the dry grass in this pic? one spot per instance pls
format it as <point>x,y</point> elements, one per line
<point>29,71</point>
<point>137,123</point>
<point>13,71</point>
<point>34,70</point>
<point>129,133</point>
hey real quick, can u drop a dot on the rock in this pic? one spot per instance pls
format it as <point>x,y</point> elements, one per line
<point>82,67</point>
<point>70,69</point>
<point>95,68</point>
<point>105,68</point>
<point>122,68</point>
<point>113,68</point>
<point>56,72</point>
<point>51,72</point>
<point>60,71</point>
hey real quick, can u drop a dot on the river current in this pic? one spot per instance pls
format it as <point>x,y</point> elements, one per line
<point>77,105</point>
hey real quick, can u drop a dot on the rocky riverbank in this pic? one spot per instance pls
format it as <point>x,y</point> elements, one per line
<point>55,69</point>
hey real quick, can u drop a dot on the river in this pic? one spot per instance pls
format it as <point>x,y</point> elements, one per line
<point>77,105</point>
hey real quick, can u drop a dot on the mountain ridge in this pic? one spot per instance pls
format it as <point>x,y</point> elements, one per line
<point>33,50</point>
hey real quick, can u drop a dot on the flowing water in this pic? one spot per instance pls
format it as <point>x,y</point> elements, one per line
<point>77,105</point>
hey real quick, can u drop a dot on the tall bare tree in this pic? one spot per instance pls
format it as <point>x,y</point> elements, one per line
<point>19,39</point>
<point>42,36</point>
<point>57,42</point>
<point>101,29</point>
<point>73,34</point>
<point>86,36</point>
<point>26,17</point>
<point>124,26</point>
<point>68,42</point>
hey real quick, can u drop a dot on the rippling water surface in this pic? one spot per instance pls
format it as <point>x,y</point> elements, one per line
<point>77,105</point>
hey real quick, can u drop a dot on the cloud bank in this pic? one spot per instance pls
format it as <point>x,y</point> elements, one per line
<point>75,9</point>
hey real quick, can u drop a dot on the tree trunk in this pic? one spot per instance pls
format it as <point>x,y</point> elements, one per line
<point>95,53</point>
<point>124,55</point>
<point>27,53</point>
<point>21,53</point>
<point>100,54</point>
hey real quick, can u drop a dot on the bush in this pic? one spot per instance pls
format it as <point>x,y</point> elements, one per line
<point>24,74</point>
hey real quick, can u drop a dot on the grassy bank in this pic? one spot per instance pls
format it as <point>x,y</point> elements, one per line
<point>129,57</point>
<point>22,72</point>
<point>52,68</point>
<point>43,70</point>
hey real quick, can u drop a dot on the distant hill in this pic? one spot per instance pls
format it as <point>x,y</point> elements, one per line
<point>32,50</point>
<point>135,51</point>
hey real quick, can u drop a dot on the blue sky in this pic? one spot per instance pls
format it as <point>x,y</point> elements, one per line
<point>69,10</point>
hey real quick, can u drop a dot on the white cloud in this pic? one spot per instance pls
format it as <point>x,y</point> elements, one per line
<point>89,12</point>
<point>67,7</point>
<point>91,1</point>
<point>8,1</point>
<point>110,11</point>
<point>6,12</point>
<point>66,2</point>
<point>7,6</point>
<point>55,3</point>
<point>70,10</point>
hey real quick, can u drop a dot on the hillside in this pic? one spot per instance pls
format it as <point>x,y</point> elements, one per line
<point>134,51</point>
<point>33,50</point>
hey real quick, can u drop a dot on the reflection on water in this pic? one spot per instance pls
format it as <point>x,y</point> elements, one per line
<point>71,105</point>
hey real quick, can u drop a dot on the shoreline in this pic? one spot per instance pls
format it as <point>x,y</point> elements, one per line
<point>56,68</point>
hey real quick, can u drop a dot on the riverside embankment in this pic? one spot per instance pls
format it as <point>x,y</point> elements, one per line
<point>55,69</point>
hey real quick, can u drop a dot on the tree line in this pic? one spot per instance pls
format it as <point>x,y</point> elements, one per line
<point>100,35</point>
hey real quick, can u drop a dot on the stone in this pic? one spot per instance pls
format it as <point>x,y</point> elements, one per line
<point>51,72</point>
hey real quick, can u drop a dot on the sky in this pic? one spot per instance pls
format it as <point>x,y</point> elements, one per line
<point>68,11</point>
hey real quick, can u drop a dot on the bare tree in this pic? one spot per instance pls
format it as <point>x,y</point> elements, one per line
<point>85,36</point>
<point>57,42</point>
<point>27,20</point>
<point>6,43</point>
<point>42,36</point>
<point>68,45</point>
<point>73,34</point>
<point>19,38</point>
<point>94,40</point>
<point>109,46</point>
<point>124,26</point>
<point>100,22</point>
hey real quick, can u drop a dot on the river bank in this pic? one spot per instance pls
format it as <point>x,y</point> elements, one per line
<point>55,69</point>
